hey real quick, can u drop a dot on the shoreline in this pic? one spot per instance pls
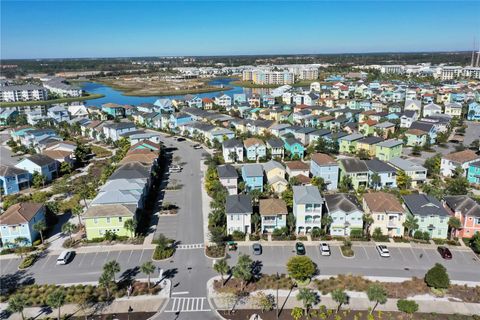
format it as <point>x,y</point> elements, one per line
<point>249,84</point>
<point>91,96</point>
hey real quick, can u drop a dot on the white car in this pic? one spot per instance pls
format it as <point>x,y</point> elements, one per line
<point>383,251</point>
<point>324,249</point>
<point>197,146</point>
<point>175,168</point>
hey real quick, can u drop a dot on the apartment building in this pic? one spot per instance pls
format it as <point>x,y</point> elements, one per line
<point>26,92</point>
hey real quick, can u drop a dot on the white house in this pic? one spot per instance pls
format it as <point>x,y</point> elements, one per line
<point>232,151</point>
<point>307,208</point>
<point>115,130</point>
<point>228,177</point>
<point>238,209</point>
<point>431,109</point>
<point>457,159</point>
<point>223,100</point>
<point>346,213</point>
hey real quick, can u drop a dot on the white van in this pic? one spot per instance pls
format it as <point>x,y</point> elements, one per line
<point>64,257</point>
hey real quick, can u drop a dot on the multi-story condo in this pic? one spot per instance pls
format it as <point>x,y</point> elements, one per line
<point>26,92</point>
<point>307,208</point>
<point>270,77</point>
<point>431,215</point>
<point>63,89</point>
<point>449,72</point>
<point>391,69</point>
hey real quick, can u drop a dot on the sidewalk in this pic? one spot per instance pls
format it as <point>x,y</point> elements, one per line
<point>357,301</point>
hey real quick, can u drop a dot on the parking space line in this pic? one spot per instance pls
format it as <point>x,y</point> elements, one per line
<point>46,262</point>
<point>118,255</point>
<point>5,267</point>
<point>94,258</point>
<point>426,254</point>
<point>414,255</point>
<point>368,258</point>
<point>141,256</point>
<point>106,259</point>
<point>403,257</point>
<point>83,258</point>
<point>130,256</point>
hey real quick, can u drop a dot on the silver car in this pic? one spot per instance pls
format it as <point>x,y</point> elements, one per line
<point>325,249</point>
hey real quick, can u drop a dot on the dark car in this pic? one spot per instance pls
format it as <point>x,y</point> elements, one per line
<point>180,139</point>
<point>257,249</point>
<point>300,249</point>
<point>445,253</point>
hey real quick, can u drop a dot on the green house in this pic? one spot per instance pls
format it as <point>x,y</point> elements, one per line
<point>388,149</point>
<point>102,218</point>
<point>294,146</point>
<point>416,137</point>
<point>430,214</point>
<point>356,170</point>
<point>348,143</point>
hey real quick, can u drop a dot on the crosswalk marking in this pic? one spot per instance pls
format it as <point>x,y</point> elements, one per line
<point>190,304</point>
<point>190,246</point>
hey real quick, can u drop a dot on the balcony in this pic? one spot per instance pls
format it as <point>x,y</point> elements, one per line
<point>393,224</point>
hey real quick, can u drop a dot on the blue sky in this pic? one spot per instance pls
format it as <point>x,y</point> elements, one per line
<point>58,29</point>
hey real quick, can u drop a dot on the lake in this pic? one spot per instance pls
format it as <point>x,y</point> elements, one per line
<point>116,96</point>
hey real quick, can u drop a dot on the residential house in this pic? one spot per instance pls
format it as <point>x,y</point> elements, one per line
<point>387,175</point>
<point>467,211</point>
<point>275,147</point>
<point>113,110</point>
<point>386,211</point>
<point>307,208</point>
<point>432,216</point>
<point>164,105</point>
<point>368,144</point>
<point>367,127</point>
<point>414,105</point>
<point>431,109</point>
<point>6,115</point>
<point>356,170</point>
<point>325,167</point>
<point>238,209</point>
<point>348,143</point>
<point>273,213</point>
<point>115,130</point>
<point>232,151</point>
<point>13,179</point>
<point>41,164</point>
<point>453,109</point>
<point>252,175</point>
<point>408,117</point>
<point>346,213</point>
<point>178,119</point>
<point>430,127</point>
<point>416,137</point>
<point>207,103</point>
<point>228,176</point>
<point>473,113</point>
<point>473,174</point>
<point>18,221</point>
<point>255,149</point>
<point>297,168</point>
<point>294,147</point>
<point>223,100</point>
<point>384,129</point>
<point>100,219</point>
<point>275,173</point>
<point>461,159</point>
<point>388,149</point>
<point>58,114</point>
<point>416,172</point>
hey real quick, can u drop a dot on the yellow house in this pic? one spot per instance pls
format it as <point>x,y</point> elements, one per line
<point>368,144</point>
<point>273,168</point>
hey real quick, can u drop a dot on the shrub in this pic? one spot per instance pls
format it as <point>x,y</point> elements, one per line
<point>37,243</point>
<point>426,236</point>
<point>215,251</point>
<point>407,306</point>
<point>356,233</point>
<point>437,277</point>
<point>28,261</point>
<point>238,235</point>
<point>418,235</point>
<point>161,253</point>
<point>6,251</point>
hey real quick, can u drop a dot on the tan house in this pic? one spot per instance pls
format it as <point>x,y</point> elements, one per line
<point>275,173</point>
<point>274,214</point>
<point>386,211</point>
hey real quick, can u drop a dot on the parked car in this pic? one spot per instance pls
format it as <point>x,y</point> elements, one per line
<point>197,146</point>
<point>180,139</point>
<point>325,249</point>
<point>65,257</point>
<point>175,168</point>
<point>445,252</point>
<point>300,249</point>
<point>383,251</point>
<point>257,249</point>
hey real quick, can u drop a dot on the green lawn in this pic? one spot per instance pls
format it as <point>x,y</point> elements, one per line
<point>54,101</point>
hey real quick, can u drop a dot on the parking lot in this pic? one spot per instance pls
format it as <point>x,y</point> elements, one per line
<point>403,261</point>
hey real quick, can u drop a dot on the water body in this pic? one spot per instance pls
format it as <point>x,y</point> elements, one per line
<point>116,96</point>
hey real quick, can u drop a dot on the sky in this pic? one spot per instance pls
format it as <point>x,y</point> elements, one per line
<point>77,29</point>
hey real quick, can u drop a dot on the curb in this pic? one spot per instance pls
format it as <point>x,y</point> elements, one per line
<point>345,257</point>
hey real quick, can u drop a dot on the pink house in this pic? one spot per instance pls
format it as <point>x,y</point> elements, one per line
<point>468,211</point>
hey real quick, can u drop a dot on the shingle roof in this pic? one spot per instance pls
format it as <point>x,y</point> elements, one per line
<point>8,171</point>
<point>424,205</point>
<point>390,143</point>
<point>354,165</point>
<point>20,213</point>
<point>239,204</point>
<point>297,165</point>
<point>133,170</point>
<point>252,141</point>
<point>464,204</point>
<point>227,171</point>
<point>343,202</point>
<point>253,170</point>
<point>272,164</point>
<point>40,159</point>
<point>462,156</point>
<point>110,210</point>
<point>406,165</point>
<point>275,142</point>
<point>382,202</point>
<point>370,140</point>
<point>306,194</point>
<point>376,165</point>
<point>232,143</point>
<point>323,159</point>
<point>272,207</point>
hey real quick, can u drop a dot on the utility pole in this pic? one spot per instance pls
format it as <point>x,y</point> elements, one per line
<point>278,278</point>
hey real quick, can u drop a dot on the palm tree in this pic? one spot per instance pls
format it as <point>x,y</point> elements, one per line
<point>77,211</point>
<point>111,268</point>
<point>376,293</point>
<point>454,223</point>
<point>327,220</point>
<point>56,299</point>
<point>243,270</point>
<point>68,228</point>
<point>148,268</point>
<point>17,303</point>
<point>104,281</point>
<point>368,221</point>
<point>309,298</point>
<point>340,297</point>
<point>410,224</point>
<point>40,226</point>
<point>20,243</point>
<point>130,225</point>
<point>83,301</point>
<point>375,180</point>
<point>221,266</point>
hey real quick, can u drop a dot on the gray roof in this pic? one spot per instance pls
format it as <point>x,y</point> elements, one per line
<point>110,210</point>
<point>464,204</point>
<point>426,127</point>
<point>390,143</point>
<point>120,125</point>
<point>424,205</point>
<point>239,204</point>
<point>379,166</point>
<point>132,170</point>
<point>227,171</point>
<point>8,171</point>
<point>275,142</point>
<point>385,124</point>
<point>352,137</point>
<point>41,160</point>
<point>371,140</point>
<point>272,164</point>
<point>306,194</point>
<point>406,165</point>
<point>232,143</point>
<point>252,170</point>
<point>21,87</point>
<point>342,202</point>
<point>354,165</point>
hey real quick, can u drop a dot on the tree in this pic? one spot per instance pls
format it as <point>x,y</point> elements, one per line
<point>319,182</point>
<point>68,228</point>
<point>457,186</point>
<point>455,224</point>
<point>376,293</point>
<point>217,235</point>
<point>345,185</point>
<point>265,302</point>
<point>309,298</point>
<point>105,281</point>
<point>111,268</point>
<point>375,181</point>
<point>475,242</point>
<point>340,297</point>
<point>416,150</point>
<point>17,303</point>
<point>21,243</point>
<point>367,223</point>
<point>256,221</point>
<point>38,180</point>
<point>407,306</point>
<point>83,301</point>
<point>404,181</point>
<point>130,225</point>
<point>437,277</point>
<point>148,268</point>
<point>327,220</point>
<point>410,224</point>
<point>65,167</point>
<point>221,266</point>
<point>297,313</point>
<point>243,270</point>
<point>40,227</point>
<point>301,268</point>
<point>77,211</point>
<point>433,165</point>
<point>81,152</point>
<point>377,234</point>
<point>56,300</point>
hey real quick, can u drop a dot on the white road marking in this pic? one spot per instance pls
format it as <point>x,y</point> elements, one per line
<point>190,246</point>
<point>188,304</point>
<point>81,261</point>
<point>414,255</point>
<point>368,258</point>
<point>130,256</point>
<point>143,250</point>
<point>180,292</point>
<point>46,262</point>
<point>94,258</point>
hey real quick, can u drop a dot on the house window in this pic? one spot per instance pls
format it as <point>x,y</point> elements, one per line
<point>120,219</point>
<point>108,220</point>
<point>477,220</point>
<point>95,220</point>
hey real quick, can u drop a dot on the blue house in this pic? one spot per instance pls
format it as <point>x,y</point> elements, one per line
<point>195,102</point>
<point>12,179</point>
<point>178,119</point>
<point>325,167</point>
<point>39,163</point>
<point>239,98</point>
<point>255,148</point>
<point>17,222</point>
<point>294,146</point>
<point>252,175</point>
<point>164,105</point>
<point>473,111</point>
<point>473,173</point>
<point>114,110</point>
<point>20,133</point>
<point>6,115</point>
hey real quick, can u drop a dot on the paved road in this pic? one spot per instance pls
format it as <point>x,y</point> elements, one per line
<point>404,262</point>
<point>5,154</point>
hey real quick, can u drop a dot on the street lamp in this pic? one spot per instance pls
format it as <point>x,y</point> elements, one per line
<point>278,279</point>
<point>130,310</point>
